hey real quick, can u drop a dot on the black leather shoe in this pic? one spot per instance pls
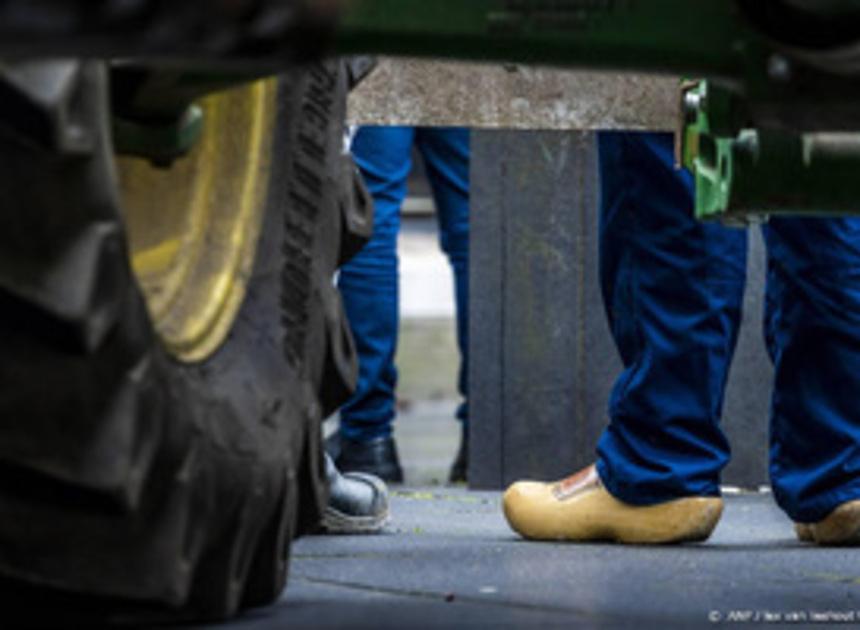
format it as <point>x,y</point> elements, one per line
<point>377,457</point>
<point>460,468</point>
<point>357,504</point>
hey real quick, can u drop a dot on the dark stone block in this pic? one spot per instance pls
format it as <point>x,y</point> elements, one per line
<point>543,362</point>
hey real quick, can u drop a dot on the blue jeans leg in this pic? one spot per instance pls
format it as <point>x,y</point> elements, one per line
<point>369,283</point>
<point>673,290</point>
<point>446,155</point>
<point>813,335</point>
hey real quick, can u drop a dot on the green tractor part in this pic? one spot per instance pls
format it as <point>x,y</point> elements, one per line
<point>744,175</point>
<point>776,66</point>
<point>161,143</point>
<point>795,64</point>
<point>662,35</point>
<point>758,134</point>
<point>758,174</point>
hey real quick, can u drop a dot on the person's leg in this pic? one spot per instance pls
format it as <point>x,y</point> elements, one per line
<point>446,157</point>
<point>813,334</point>
<point>369,286</point>
<point>672,289</point>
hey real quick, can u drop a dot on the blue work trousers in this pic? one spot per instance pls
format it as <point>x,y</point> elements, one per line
<point>369,282</point>
<point>673,289</point>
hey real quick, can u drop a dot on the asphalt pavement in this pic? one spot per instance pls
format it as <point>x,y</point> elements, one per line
<point>448,560</point>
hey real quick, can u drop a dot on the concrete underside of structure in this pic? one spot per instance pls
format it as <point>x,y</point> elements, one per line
<point>434,93</point>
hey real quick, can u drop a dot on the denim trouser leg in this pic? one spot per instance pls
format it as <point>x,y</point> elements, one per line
<point>369,283</point>
<point>673,289</point>
<point>673,310</point>
<point>813,335</point>
<point>446,156</point>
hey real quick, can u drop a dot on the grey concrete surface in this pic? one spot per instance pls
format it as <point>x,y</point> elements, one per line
<point>434,93</point>
<point>448,560</point>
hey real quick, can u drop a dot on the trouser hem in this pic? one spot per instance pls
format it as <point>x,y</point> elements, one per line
<point>635,495</point>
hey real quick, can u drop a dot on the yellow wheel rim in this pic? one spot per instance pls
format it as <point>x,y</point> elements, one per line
<point>193,228</point>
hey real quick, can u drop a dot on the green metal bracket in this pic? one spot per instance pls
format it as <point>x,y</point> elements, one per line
<point>159,142</point>
<point>714,168</point>
<point>712,119</point>
<point>749,175</point>
<point>773,173</point>
<point>709,110</point>
<point>744,175</point>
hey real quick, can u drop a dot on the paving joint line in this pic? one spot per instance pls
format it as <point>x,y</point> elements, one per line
<point>444,597</point>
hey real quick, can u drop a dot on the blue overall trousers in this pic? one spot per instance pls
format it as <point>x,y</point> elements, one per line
<point>672,288</point>
<point>369,282</point>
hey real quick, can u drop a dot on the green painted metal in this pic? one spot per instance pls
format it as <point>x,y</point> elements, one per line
<point>709,110</point>
<point>713,118</point>
<point>763,173</point>
<point>834,8</point>
<point>159,142</point>
<point>705,37</point>
<point>154,111</point>
<point>743,175</point>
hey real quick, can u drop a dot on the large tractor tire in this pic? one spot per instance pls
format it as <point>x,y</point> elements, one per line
<point>170,340</point>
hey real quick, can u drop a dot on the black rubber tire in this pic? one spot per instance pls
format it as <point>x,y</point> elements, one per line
<point>357,204</point>
<point>134,487</point>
